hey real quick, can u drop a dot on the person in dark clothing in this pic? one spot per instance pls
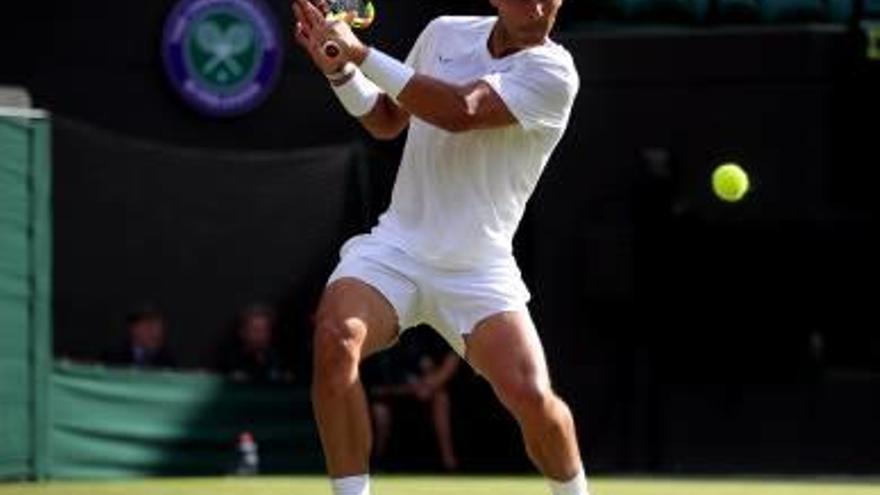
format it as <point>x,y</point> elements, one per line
<point>145,344</point>
<point>417,372</point>
<point>253,358</point>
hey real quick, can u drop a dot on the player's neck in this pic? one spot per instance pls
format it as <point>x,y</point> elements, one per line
<point>502,43</point>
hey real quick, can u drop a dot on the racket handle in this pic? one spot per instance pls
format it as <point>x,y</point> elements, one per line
<point>331,49</point>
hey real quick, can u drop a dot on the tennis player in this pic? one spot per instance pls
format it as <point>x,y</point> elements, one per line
<point>486,100</point>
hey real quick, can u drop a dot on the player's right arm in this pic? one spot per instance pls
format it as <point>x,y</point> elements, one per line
<point>447,106</point>
<point>432,100</point>
<point>537,95</point>
<point>384,119</point>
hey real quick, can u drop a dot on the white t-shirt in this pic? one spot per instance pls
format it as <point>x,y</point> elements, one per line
<point>459,197</point>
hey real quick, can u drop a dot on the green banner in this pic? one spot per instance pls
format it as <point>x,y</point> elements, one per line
<point>110,422</point>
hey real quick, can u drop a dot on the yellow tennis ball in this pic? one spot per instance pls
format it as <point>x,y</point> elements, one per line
<point>730,182</point>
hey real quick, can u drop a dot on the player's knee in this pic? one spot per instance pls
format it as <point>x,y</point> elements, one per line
<point>527,399</point>
<point>337,346</point>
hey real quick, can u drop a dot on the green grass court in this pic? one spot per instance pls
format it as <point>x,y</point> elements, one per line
<point>451,485</point>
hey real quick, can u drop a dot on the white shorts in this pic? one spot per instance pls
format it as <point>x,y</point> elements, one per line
<point>453,302</point>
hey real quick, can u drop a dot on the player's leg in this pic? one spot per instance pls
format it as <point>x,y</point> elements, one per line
<point>353,320</point>
<point>520,379</point>
<point>442,428</point>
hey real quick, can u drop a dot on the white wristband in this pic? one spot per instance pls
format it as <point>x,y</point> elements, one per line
<point>387,72</point>
<point>358,95</point>
<point>344,73</point>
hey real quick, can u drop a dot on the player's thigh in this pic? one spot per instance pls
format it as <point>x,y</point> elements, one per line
<point>506,350</point>
<point>351,305</point>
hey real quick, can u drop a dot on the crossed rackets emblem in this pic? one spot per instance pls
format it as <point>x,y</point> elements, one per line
<point>223,46</point>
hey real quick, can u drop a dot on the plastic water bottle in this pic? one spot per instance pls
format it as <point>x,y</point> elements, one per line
<point>248,455</point>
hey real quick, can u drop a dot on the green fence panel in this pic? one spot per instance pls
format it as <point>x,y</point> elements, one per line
<point>111,422</point>
<point>25,280</point>
<point>41,292</point>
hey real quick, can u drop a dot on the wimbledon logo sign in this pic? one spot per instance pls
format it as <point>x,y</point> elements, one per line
<point>222,56</point>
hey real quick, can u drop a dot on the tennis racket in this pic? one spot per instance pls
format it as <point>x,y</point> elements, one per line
<point>358,14</point>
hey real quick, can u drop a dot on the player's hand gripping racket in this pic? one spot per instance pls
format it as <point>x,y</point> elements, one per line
<point>358,14</point>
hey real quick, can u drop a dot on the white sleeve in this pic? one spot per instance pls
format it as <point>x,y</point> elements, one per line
<point>423,44</point>
<point>538,91</point>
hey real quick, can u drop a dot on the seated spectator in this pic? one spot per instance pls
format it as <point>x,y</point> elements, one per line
<point>144,345</point>
<point>418,371</point>
<point>253,357</point>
